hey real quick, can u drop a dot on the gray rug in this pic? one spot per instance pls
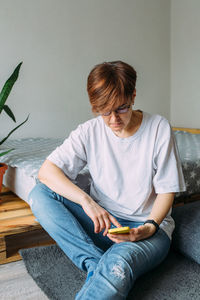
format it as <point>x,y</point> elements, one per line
<point>177,278</point>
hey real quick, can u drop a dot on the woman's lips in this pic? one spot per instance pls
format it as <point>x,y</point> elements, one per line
<point>115,124</point>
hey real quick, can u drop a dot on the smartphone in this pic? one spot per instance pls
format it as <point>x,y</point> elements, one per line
<point>119,230</point>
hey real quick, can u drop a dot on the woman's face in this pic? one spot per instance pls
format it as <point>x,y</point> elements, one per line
<point>119,120</point>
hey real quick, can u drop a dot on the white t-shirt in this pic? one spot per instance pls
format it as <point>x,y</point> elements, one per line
<point>127,173</point>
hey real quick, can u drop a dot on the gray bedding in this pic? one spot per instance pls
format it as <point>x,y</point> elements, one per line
<point>189,150</point>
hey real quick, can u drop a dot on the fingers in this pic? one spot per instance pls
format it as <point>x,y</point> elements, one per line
<point>132,236</point>
<point>107,223</point>
<point>108,220</point>
<point>119,238</point>
<point>123,237</point>
<point>114,221</point>
<point>96,225</point>
<point>135,234</point>
<point>101,218</point>
<point>101,223</point>
<point>115,240</point>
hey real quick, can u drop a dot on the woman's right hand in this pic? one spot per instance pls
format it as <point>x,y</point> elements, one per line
<point>100,217</point>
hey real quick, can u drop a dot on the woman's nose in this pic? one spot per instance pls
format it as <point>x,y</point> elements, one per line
<point>114,115</point>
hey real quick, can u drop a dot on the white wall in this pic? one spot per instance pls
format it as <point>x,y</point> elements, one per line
<point>185,63</point>
<point>59,41</point>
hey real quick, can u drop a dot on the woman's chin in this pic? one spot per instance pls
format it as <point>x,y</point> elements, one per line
<point>118,126</point>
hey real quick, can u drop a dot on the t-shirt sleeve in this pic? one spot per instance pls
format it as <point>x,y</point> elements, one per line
<point>167,166</point>
<point>71,155</point>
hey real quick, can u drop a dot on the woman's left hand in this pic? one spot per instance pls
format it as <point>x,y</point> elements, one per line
<point>136,234</point>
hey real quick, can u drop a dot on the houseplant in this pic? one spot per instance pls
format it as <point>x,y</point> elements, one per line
<point>5,108</point>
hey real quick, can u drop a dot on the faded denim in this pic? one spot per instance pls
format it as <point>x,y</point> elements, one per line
<point>113,268</point>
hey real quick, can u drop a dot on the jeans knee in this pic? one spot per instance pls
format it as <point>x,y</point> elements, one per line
<point>120,267</point>
<point>37,195</point>
<point>118,271</point>
<point>124,252</point>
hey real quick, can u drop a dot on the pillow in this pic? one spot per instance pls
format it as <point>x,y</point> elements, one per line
<point>186,236</point>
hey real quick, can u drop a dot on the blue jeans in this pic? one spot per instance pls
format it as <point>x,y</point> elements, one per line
<point>113,267</point>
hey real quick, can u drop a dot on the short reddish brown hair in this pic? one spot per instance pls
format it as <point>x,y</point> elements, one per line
<point>110,85</point>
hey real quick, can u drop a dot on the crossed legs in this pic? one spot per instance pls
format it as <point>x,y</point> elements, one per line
<point>115,267</point>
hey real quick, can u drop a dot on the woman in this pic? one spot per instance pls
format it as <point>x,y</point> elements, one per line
<point>135,170</point>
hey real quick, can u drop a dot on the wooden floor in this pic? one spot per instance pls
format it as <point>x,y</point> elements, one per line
<point>18,227</point>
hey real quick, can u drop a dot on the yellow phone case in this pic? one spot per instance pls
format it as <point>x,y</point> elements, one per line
<point>119,230</point>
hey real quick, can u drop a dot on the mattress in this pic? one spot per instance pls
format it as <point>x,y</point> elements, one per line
<point>189,151</point>
<point>19,182</point>
<point>28,155</point>
<point>25,161</point>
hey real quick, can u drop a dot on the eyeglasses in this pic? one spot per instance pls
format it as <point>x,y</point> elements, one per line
<point>120,110</point>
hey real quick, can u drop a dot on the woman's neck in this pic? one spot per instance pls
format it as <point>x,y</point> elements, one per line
<point>134,125</point>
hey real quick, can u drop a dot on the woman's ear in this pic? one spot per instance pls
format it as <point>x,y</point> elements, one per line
<point>133,97</point>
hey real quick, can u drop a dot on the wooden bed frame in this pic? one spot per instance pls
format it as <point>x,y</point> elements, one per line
<point>18,227</point>
<point>191,130</point>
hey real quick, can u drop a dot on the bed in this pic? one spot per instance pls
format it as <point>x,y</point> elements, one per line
<point>25,161</point>
<point>188,142</point>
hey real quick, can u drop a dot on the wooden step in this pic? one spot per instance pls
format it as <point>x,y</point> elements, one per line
<point>18,227</point>
<point>9,204</point>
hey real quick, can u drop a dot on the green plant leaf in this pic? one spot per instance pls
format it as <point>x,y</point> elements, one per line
<point>8,86</point>
<point>6,152</point>
<point>2,141</point>
<point>9,112</point>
